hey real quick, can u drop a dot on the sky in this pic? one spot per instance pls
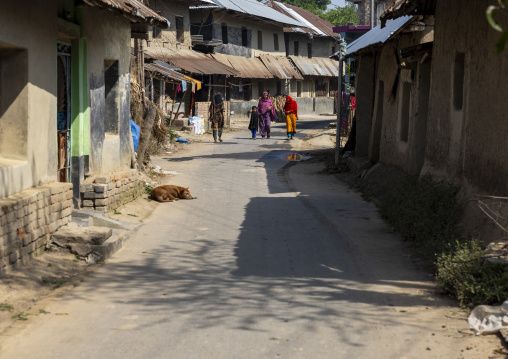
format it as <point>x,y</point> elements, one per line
<point>337,3</point>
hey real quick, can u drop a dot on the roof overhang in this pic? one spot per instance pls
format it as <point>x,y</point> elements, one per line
<point>134,10</point>
<point>408,7</point>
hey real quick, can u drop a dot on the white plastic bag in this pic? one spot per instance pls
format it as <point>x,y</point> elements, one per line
<point>485,319</point>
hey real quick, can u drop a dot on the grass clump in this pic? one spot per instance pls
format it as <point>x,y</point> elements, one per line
<point>467,275</point>
<point>424,211</point>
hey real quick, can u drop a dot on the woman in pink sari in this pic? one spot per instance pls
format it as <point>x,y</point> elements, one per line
<point>266,114</point>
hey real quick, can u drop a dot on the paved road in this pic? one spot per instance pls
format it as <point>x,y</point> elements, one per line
<point>272,260</point>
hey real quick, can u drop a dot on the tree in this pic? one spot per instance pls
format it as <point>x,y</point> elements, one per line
<point>341,16</point>
<point>491,10</point>
<point>311,5</point>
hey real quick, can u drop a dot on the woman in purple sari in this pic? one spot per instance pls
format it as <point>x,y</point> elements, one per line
<point>266,114</point>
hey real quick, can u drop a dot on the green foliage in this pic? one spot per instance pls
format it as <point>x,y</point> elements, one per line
<point>20,316</point>
<point>341,16</point>
<point>424,211</point>
<point>172,134</point>
<point>309,4</point>
<point>148,189</point>
<point>466,275</point>
<point>56,282</point>
<point>6,307</point>
<point>491,10</point>
<point>42,311</point>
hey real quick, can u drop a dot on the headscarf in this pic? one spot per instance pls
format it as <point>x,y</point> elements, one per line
<point>264,104</point>
<point>291,105</point>
<point>217,111</point>
<point>218,99</point>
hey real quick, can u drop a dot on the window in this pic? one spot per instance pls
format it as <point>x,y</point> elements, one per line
<point>275,42</point>
<point>179,29</point>
<point>156,32</point>
<point>297,48</point>
<point>279,88</point>
<point>245,38</point>
<point>404,113</point>
<point>13,101</point>
<point>225,39</point>
<point>260,40</point>
<point>458,81</point>
<point>333,50</point>
<point>111,93</point>
<point>309,50</point>
<point>298,88</point>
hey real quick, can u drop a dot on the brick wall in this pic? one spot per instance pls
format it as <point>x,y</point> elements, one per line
<point>28,219</point>
<point>107,193</point>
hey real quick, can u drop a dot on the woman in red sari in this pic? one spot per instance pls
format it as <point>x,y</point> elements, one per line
<point>291,111</point>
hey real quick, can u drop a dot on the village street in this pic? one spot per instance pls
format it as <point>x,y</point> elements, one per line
<point>272,260</point>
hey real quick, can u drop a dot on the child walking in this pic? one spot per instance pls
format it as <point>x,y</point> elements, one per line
<point>254,122</point>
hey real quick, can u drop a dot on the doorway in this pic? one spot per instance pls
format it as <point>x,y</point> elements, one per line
<point>64,112</point>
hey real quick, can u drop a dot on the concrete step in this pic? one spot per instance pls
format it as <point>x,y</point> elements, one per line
<point>82,235</point>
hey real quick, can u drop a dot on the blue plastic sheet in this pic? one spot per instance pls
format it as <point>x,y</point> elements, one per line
<point>135,134</point>
<point>182,140</point>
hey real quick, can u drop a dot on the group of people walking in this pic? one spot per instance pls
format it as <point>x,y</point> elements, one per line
<point>264,114</point>
<point>261,117</point>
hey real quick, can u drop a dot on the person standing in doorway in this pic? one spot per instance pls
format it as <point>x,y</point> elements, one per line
<point>254,122</point>
<point>266,113</point>
<point>291,112</point>
<point>216,116</point>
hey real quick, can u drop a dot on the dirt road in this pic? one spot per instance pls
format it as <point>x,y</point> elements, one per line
<point>272,260</point>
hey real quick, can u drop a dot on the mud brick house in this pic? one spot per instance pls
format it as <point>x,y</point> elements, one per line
<point>64,111</point>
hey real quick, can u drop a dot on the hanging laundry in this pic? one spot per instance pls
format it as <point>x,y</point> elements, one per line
<point>198,86</point>
<point>184,85</point>
<point>353,102</point>
<point>178,88</point>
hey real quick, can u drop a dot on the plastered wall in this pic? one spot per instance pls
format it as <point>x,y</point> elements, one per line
<point>28,107</point>
<point>108,39</point>
<point>470,141</point>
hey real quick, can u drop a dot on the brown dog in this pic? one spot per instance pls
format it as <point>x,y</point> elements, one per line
<point>169,193</point>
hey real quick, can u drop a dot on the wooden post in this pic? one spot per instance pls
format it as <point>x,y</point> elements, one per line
<point>146,130</point>
<point>209,86</point>
<point>339,111</point>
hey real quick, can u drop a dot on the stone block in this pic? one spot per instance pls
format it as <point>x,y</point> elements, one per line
<point>67,203</point>
<point>100,202</point>
<point>57,207</point>
<point>118,184</point>
<point>86,188</point>
<point>99,188</point>
<point>14,256</point>
<point>69,195</point>
<point>27,239</point>
<point>111,186</point>
<point>56,188</point>
<point>102,180</point>
<point>87,203</point>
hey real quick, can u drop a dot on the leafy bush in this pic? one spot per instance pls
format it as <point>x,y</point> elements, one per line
<point>466,275</point>
<point>148,189</point>
<point>424,211</point>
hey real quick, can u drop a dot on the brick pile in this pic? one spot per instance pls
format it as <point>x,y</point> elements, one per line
<point>28,219</point>
<point>109,192</point>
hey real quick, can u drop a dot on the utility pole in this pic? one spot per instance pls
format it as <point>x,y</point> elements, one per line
<point>372,17</point>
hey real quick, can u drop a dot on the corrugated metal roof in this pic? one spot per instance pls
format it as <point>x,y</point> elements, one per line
<point>314,24</point>
<point>378,35</point>
<point>255,9</point>
<point>280,67</point>
<point>248,67</point>
<point>191,61</point>
<point>164,71</point>
<point>316,66</point>
<point>135,10</point>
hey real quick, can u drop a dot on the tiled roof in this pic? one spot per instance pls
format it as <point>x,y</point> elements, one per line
<point>135,10</point>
